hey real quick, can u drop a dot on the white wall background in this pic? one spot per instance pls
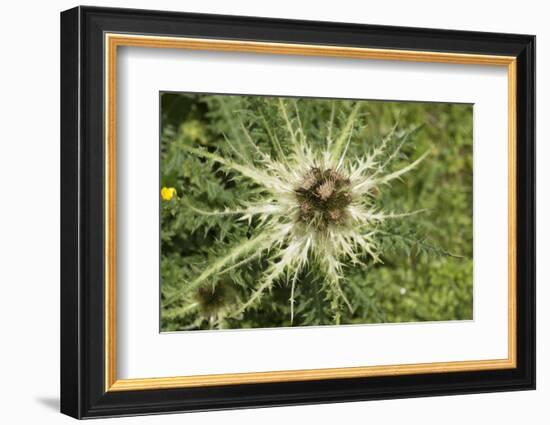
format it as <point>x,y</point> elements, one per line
<point>29,212</point>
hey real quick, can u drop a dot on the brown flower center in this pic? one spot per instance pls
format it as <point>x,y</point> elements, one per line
<point>323,196</point>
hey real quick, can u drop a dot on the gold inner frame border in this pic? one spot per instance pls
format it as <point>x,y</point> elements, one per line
<point>112,41</point>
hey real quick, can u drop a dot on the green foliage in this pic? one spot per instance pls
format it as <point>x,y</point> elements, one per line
<point>426,268</point>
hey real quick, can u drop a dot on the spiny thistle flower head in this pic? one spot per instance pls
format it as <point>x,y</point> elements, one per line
<point>311,206</point>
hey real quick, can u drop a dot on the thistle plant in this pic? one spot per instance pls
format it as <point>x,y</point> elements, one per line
<point>309,204</point>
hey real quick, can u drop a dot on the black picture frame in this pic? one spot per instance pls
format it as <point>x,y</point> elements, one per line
<point>83,392</point>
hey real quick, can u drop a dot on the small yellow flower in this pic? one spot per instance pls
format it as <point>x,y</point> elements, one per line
<point>167,193</point>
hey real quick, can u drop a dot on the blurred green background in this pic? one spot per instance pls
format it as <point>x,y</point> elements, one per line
<point>426,274</point>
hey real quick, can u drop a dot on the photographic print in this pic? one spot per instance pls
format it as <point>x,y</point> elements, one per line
<point>285,212</point>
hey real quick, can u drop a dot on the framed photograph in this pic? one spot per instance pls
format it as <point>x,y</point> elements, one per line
<point>261,212</point>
